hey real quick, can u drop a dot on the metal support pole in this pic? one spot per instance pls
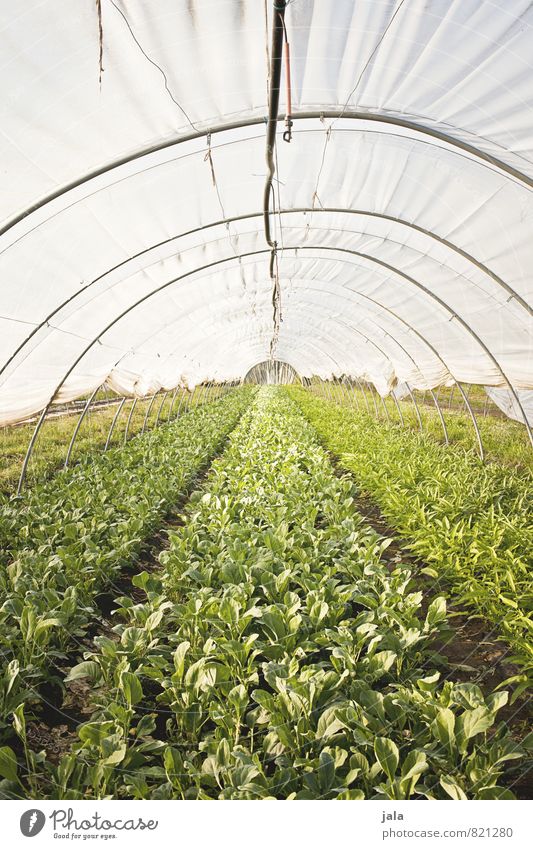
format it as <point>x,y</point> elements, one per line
<point>129,420</point>
<point>147,414</point>
<point>474,421</point>
<point>394,398</point>
<point>182,396</point>
<point>113,423</point>
<point>441,417</point>
<point>172,403</point>
<point>451,397</point>
<point>345,392</point>
<point>77,428</point>
<point>33,439</point>
<point>200,391</point>
<point>384,406</point>
<point>361,387</point>
<point>372,393</point>
<point>160,408</point>
<point>354,395</point>
<point>417,411</point>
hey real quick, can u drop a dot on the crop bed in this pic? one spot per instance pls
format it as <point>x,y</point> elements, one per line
<point>472,523</point>
<point>276,653</point>
<point>70,538</point>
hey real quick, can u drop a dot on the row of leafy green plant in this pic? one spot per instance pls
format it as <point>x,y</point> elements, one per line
<point>504,441</point>
<point>64,541</point>
<point>278,655</point>
<point>472,523</point>
<point>54,438</point>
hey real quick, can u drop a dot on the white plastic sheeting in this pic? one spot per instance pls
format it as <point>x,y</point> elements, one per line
<point>132,247</point>
<point>507,403</point>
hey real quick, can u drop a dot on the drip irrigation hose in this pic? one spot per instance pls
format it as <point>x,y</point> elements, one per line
<point>273,109</point>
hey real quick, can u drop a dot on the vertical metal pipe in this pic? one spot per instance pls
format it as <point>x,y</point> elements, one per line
<point>354,396</point>
<point>394,398</point>
<point>29,451</point>
<point>182,396</point>
<point>474,421</point>
<point>417,411</point>
<point>160,408</point>
<point>384,405</point>
<point>78,425</point>
<point>128,422</point>
<point>113,423</point>
<point>173,402</point>
<point>146,415</point>
<point>441,417</point>
<point>372,390</point>
<point>361,387</point>
<point>451,396</point>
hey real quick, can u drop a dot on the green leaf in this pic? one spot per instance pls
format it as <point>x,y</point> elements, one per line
<point>329,723</point>
<point>132,688</point>
<point>443,727</point>
<point>494,793</point>
<point>8,764</point>
<point>45,624</point>
<point>388,756</point>
<point>452,788</point>
<point>473,722</point>
<point>436,612</point>
<point>116,756</point>
<point>179,658</point>
<point>326,771</point>
<point>229,611</point>
<point>86,669</point>
<point>173,763</point>
<point>19,722</point>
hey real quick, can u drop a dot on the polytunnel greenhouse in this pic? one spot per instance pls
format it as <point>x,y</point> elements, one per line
<point>266,400</point>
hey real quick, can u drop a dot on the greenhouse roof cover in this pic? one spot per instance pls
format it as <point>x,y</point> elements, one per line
<point>132,143</point>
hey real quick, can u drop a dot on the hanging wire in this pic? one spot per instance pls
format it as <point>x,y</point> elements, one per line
<point>100,41</point>
<point>154,63</point>
<point>351,94</point>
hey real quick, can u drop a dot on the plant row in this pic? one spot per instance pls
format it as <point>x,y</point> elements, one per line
<point>278,655</point>
<point>471,523</point>
<point>69,538</point>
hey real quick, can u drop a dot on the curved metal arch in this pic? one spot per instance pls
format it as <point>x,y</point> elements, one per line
<point>128,422</point>
<point>453,314</point>
<point>345,114</point>
<point>437,355</point>
<point>438,300</point>
<point>298,210</point>
<point>256,253</point>
<point>113,423</point>
<point>84,412</point>
<point>231,330</point>
<point>262,362</point>
<point>148,411</point>
<point>350,328</point>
